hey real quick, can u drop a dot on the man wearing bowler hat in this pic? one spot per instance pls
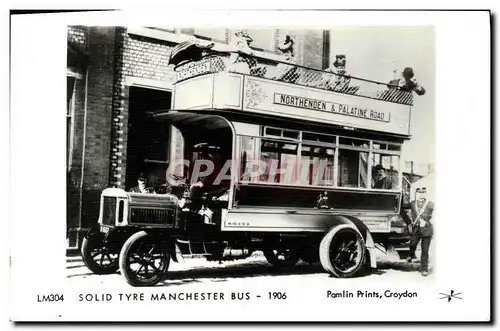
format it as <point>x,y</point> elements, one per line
<point>380,178</point>
<point>421,228</point>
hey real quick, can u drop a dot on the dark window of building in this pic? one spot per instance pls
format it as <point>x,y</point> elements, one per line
<point>148,137</point>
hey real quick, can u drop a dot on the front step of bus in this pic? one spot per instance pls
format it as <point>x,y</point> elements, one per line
<point>397,247</point>
<point>401,246</point>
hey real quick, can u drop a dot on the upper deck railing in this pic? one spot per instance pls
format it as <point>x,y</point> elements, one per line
<point>293,73</point>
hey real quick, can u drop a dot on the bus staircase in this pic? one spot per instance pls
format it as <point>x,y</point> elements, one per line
<point>397,244</point>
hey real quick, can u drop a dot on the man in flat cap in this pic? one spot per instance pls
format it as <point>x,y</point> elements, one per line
<point>421,228</point>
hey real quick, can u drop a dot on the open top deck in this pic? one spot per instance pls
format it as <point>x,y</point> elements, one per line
<point>256,85</point>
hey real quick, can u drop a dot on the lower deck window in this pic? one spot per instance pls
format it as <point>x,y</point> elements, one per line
<point>280,159</point>
<point>385,171</point>
<point>316,165</point>
<point>353,168</point>
<point>308,163</point>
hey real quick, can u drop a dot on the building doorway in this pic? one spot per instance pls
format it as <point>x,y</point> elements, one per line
<point>148,138</point>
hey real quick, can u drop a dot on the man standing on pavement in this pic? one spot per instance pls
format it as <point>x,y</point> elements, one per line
<point>421,228</point>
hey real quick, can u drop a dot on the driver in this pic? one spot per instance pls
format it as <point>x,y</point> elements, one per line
<point>141,185</point>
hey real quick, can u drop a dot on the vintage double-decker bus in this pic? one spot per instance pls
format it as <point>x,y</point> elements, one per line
<point>269,156</point>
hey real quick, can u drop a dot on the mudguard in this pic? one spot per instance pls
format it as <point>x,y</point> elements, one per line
<point>90,231</point>
<point>365,233</point>
<point>166,242</point>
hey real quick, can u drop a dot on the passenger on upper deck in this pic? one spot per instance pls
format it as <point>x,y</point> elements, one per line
<point>287,48</point>
<point>408,83</point>
<point>286,72</point>
<point>336,76</point>
<point>242,58</point>
<point>236,62</point>
<point>380,178</point>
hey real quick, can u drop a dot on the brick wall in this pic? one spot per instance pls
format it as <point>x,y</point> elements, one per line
<point>98,127</point>
<point>147,58</point>
<point>99,106</point>
<point>135,56</point>
<point>77,35</point>
<point>119,114</point>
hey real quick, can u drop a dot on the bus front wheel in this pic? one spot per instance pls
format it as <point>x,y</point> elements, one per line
<point>143,261</point>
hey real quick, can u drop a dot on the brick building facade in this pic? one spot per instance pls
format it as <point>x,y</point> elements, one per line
<point>116,77</point>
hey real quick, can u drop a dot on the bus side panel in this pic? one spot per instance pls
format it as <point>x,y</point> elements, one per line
<point>293,197</point>
<point>283,220</point>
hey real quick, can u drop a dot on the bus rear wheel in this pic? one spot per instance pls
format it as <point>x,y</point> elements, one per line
<point>342,252</point>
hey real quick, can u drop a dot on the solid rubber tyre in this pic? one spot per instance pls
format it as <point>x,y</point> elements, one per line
<point>138,249</point>
<point>97,257</point>
<point>337,254</point>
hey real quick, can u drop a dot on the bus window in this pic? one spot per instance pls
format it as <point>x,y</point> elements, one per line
<point>385,146</point>
<point>352,142</point>
<point>392,147</point>
<point>316,165</point>
<point>272,132</point>
<point>385,170</point>
<point>377,145</point>
<point>247,159</point>
<point>353,168</point>
<point>177,152</point>
<point>318,137</point>
<point>280,159</point>
<point>281,133</point>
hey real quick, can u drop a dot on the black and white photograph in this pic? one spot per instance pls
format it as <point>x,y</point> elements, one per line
<point>226,168</point>
<point>267,147</point>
